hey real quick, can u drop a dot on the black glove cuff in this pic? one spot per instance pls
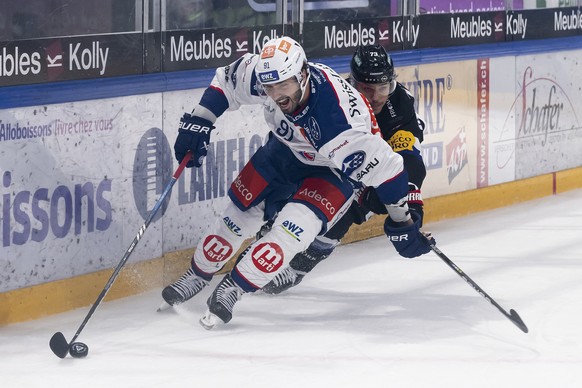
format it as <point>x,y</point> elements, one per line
<point>370,201</point>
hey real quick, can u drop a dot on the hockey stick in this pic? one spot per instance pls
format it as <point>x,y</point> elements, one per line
<point>58,344</point>
<point>513,316</point>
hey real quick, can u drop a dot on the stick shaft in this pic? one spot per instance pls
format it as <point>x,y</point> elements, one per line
<point>133,244</point>
<point>512,315</point>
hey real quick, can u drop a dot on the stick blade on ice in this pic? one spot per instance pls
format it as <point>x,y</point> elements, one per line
<point>58,342</point>
<point>516,319</point>
<point>59,345</point>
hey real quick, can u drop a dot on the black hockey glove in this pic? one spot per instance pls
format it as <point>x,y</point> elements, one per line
<point>370,202</point>
<point>193,134</point>
<point>406,239</point>
<point>415,202</point>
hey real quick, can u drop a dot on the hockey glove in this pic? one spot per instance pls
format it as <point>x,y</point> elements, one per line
<point>370,202</point>
<point>193,134</point>
<point>406,239</point>
<point>415,202</point>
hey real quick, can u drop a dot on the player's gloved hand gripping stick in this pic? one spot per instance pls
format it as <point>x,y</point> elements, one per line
<point>193,135</point>
<point>58,344</point>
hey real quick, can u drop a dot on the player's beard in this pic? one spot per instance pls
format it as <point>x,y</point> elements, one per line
<point>289,104</point>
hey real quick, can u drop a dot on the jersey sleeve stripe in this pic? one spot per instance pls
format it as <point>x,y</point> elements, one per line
<point>394,189</point>
<point>214,100</point>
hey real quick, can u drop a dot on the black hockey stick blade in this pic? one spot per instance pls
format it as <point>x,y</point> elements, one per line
<point>513,316</point>
<point>516,319</point>
<point>59,345</point>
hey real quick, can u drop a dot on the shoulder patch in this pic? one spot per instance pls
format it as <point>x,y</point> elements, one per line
<point>402,140</point>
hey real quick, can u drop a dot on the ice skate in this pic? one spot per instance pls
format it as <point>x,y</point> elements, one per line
<point>221,303</point>
<point>284,280</point>
<point>183,289</point>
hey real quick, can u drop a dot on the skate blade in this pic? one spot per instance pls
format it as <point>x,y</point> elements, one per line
<point>209,321</point>
<point>163,307</point>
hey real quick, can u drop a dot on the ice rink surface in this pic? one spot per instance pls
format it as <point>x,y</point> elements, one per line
<point>363,318</point>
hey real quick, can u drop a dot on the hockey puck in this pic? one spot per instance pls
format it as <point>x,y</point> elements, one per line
<point>78,350</point>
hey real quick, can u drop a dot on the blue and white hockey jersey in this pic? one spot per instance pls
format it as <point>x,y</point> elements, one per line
<point>335,128</point>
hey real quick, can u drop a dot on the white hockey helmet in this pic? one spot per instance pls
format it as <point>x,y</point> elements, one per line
<point>281,59</point>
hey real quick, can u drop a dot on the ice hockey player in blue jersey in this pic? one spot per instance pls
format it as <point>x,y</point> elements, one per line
<point>322,140</point>
<point>372,74</point>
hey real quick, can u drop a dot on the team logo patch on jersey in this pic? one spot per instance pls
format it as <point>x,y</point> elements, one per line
<point>402,140</point>
<point>267,257</point>
<point>352,162</point>
<point>308,155</point>
<point>313,129</point>
<point>216,248</point>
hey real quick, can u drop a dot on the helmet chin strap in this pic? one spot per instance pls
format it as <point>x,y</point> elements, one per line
<point>303,82</point>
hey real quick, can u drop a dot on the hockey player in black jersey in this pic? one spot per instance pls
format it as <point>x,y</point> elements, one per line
<point>372,74</point>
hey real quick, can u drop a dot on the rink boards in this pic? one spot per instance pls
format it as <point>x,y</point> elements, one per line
<point>79,178</point>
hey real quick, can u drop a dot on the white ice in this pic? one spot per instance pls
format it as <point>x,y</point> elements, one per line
<point>363,318</point>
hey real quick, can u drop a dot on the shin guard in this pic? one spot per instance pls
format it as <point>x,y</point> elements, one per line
<point>294,229</point>
<point>217,247</point>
